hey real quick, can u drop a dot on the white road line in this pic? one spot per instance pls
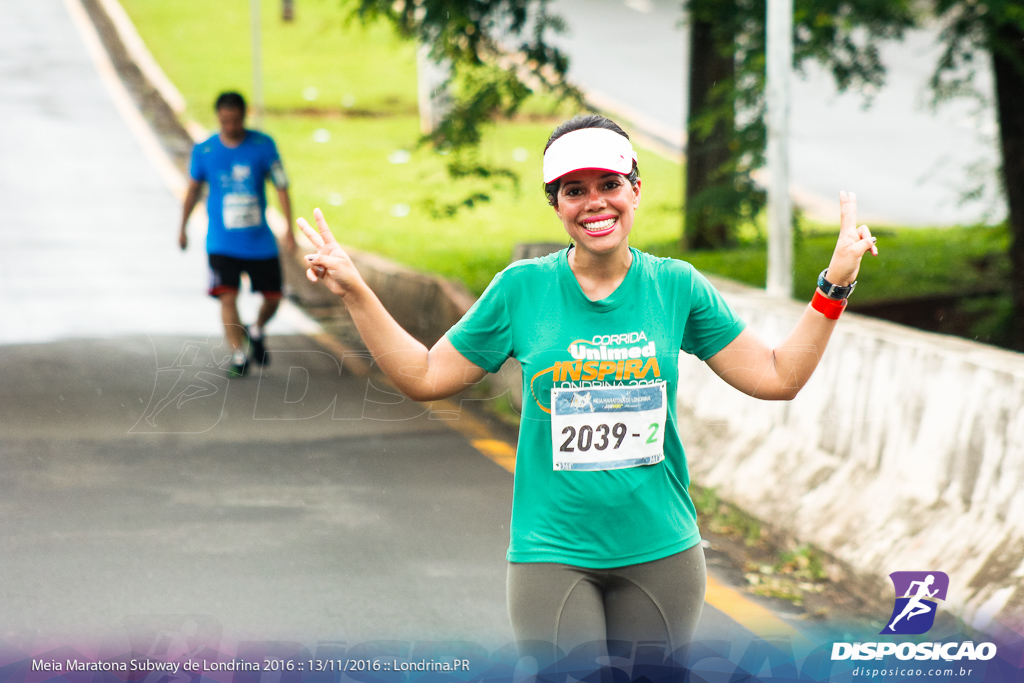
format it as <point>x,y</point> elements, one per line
<point>289,315</point>
<point>123,102</point>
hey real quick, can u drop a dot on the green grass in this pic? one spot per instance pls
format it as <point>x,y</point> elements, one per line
<point>912,262</point>
<point>365,83</point>
<point>205,48</point>
<point>353,168</point>
<point>722,517</point>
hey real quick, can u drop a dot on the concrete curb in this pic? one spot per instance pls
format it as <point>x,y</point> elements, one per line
<point>425,305</point>
<point>140,54</point>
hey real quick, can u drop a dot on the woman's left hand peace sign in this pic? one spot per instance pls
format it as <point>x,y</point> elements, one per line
<point>852,244</point>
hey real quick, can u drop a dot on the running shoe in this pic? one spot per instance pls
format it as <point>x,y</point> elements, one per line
<point>258,348</point>
<point>238,367</point>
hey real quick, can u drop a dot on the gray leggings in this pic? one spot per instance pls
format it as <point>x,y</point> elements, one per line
<point>558,605</point>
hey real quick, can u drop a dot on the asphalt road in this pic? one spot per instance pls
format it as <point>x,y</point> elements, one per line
<point>908,164</point>
<point>143,494</point>
<point>138,481</point>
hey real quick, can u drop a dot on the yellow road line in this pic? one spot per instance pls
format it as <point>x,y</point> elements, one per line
<point>498,451</point>
<point>448,411</point>
<point>752,616</point>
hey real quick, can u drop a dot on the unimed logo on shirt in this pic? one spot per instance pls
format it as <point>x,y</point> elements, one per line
<point>625,359</point>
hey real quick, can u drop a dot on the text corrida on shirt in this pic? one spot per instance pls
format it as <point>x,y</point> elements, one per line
<point>607,360</point>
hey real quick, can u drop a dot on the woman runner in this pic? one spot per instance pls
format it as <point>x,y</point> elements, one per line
<point>604,543</point>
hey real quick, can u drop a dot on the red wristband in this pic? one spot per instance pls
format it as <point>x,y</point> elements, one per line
<point>830,308</point>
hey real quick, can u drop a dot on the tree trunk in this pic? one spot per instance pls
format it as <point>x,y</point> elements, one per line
<point>1009,89</point>
<point>706,150</point>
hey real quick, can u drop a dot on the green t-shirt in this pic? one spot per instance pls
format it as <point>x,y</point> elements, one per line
<point>536,312</point>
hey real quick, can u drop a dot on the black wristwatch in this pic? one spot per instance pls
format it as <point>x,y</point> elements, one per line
<point>834,291</point>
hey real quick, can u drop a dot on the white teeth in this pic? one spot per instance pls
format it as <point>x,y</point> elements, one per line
<point>600,225</point>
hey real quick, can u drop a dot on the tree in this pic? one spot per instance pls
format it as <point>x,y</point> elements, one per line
<point>496,47</point>
<point>498,53</point>
<point>725,121</point>
<point>716,196</point>
<point>993,30</point>
<point>842,35</point>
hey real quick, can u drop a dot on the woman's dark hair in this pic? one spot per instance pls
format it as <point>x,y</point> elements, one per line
<point>579,123</point>
<point>230,100</point>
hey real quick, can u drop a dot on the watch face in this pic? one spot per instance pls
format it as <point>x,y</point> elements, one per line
<point>834,291</point>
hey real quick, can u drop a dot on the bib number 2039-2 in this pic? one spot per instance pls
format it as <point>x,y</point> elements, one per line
<point>607,428</point>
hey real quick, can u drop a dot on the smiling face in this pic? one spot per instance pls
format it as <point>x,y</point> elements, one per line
<point>596,207</point>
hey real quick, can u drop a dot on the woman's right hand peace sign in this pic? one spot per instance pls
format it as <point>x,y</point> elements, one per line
<point>330,264</point>
<point>853,243</point>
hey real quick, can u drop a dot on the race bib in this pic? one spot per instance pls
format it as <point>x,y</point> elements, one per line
<point>608,428</point>
<point>241,211</point>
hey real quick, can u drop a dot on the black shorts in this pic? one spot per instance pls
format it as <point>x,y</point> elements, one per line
<point>226,275</point>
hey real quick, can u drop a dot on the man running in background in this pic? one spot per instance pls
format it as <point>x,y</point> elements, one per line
<point>236,163</point>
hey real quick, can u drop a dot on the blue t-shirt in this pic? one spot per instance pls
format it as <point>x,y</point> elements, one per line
<point>536,312</point>
<point>237,204</point>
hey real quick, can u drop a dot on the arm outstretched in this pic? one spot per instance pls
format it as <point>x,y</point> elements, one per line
<point>419,373</point>
<point>778,373</point>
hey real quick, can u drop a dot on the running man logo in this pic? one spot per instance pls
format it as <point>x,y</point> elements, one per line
<point>189,393</point>
<point>916,596</point>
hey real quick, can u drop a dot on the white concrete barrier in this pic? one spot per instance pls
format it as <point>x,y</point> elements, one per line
<point>905,451</point>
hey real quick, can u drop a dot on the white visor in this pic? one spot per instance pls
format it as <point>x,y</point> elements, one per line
<point>588,148</point>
